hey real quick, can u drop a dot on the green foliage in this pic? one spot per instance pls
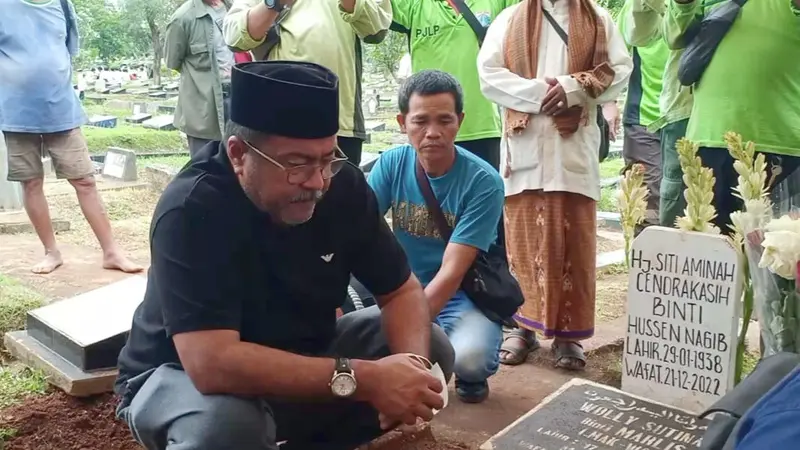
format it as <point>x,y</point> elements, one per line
<point>15,302</point>
<point>135,138</point>
<point>608,200</point>
<point>107,33</point>
<point>613,6</point>
<point>16,383</point>
<point>152,16</point>
<point>386,55</point>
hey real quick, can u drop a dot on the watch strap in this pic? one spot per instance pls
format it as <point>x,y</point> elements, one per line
<point>343,366</point>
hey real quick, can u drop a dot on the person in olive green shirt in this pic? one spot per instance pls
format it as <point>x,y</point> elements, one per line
<point>751,87</point>
<point>643,146</point>
<point>195,47</point>
<point>646,25</point>
<point>439,38</point>
<point>325,32</point>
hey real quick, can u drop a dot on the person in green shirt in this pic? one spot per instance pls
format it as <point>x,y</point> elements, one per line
<point>642,146</point>
<point>440,38</point>
<point>647,24</point>
<point>751,87</point>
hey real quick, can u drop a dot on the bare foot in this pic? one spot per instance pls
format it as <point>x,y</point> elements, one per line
<point>51,262</point>
<point>115,261</point>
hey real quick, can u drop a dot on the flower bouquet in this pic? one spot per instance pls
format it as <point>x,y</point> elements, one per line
<point>774,254</point>
<point>772,249</point>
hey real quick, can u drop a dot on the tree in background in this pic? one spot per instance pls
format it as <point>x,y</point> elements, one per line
<point>152,16</point>
<point>386,56</point>
<point>107,33</point>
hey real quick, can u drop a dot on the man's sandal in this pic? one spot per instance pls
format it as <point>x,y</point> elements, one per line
<point>517,346</point>
<point>569,355</point>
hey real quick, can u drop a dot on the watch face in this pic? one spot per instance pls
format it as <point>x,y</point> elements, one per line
<point>270,3</point>
<point>343,385</point>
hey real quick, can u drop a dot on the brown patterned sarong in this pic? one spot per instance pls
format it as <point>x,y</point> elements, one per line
<point>552,239</point>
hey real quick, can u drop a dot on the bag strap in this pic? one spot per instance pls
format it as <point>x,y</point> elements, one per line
<point>433,206</point>
<point>462,8</point>
<point>67,17</point>
<point>561,33</point>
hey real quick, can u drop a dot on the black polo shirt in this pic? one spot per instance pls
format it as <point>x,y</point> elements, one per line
<point>219,263</point>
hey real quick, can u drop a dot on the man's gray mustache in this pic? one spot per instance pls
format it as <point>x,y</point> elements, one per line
<point>307,197</point>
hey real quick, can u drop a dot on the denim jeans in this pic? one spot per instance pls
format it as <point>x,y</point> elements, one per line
<point>475,339</point>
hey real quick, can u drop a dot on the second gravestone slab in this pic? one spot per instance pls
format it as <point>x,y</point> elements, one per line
<point>683,294</point>
<point>583,415</point>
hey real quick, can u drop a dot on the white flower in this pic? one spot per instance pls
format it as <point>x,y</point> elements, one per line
<point>781,251</point>
<point>785,223</point>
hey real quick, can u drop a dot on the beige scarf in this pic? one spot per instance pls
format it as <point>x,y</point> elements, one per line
<point>587,53</point>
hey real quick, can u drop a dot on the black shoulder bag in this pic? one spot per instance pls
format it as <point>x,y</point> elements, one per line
<point>488,283</point>
<point>273,37</point>
<point>703,38</point>
<point>469,16</point>
<point>602,123</point>
<point>67,17</point>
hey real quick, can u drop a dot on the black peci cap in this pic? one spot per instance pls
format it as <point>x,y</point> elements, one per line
<point>285,98</point>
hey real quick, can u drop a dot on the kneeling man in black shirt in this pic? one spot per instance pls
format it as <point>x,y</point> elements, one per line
<point>236,344</point>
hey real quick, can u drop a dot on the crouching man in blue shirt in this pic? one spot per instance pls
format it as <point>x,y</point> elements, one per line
<point>470,193</point>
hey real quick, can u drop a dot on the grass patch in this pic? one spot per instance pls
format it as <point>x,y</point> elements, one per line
<point>173,161</point>
<point>610,168</point>
<point>749,362</point>
<point>15,302</point>
<point>608,200</point>
<point>134,138</point>
<point>16,383</point>
<point>6,434</point>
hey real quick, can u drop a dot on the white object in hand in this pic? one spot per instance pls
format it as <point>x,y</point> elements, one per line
<point>437,372</point>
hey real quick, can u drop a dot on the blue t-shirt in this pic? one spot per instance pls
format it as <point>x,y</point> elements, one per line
<point>471,196</point>
<point>772,423</point>
<point>36,93</point>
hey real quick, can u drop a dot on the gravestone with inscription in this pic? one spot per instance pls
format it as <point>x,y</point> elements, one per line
<point>120,164</point>
<point>683,295</point>
<point>583,415</point>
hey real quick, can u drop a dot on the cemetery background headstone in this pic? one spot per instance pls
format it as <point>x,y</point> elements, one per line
<point>583,415</point>
<point>103,121</point>
<point>164,123</point>
<point>683,294</point>
<point>120,164</point>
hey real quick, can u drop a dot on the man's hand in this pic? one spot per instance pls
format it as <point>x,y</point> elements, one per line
<point>611,114</point>
<point>555,101</point>
<point>401,389</point>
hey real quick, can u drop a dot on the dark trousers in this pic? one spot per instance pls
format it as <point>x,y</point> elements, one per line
<point>195,144</point>
<point>489,150</point>
<point>164,410</point>
<point>351,146</point>
<point>643,147</point>
<point>779,168</point>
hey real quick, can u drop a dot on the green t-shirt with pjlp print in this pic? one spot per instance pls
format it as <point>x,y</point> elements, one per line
<point>442,39</point>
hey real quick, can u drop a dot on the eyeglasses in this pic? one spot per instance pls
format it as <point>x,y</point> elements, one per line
<point>302,173</point>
